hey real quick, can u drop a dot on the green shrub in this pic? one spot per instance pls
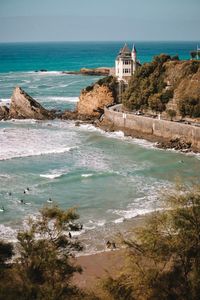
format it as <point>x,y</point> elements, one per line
<point>146,89</point>
<point>189,107</point>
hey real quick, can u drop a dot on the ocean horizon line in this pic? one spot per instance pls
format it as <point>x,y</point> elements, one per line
<point>101,41</point>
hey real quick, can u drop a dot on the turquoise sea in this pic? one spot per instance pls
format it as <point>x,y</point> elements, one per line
<point>108,177</point>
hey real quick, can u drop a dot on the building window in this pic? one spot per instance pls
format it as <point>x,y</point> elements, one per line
<point>126,71</point>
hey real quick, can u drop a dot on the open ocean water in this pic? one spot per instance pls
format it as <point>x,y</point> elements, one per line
<point>110,178</point>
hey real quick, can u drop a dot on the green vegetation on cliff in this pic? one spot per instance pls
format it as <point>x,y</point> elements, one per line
<point>155,84</point>
<point>147,87</point>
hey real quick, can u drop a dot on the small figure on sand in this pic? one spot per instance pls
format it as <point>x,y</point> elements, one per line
<point>111,245</point>
<point>70,236</point>
<point>108,244</point>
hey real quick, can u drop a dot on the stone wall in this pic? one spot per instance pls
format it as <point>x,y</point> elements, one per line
<point>158,128</point>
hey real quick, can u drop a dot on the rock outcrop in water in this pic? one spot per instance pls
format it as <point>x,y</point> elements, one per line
<point>4,112</point>
<point>92,72</point>
<point>24,106</point>
<point>94,98</point>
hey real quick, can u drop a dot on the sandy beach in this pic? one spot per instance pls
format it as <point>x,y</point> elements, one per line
<point>97,266</point>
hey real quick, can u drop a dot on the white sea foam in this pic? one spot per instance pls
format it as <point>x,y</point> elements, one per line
<point>129,214</point>
<point>59,99</point>
<point>45,73</point>
<point>51,176</point>
<point>24,142</point>
<point>4,101</point>
<point>31,152</point>
<point>7,233</point>
<point>119,135</point>
<point>87,175</point>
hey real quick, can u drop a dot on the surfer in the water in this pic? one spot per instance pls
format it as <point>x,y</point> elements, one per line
<point>26,190</point>
<point>2,209</point>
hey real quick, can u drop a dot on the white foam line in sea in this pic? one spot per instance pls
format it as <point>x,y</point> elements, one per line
<point>35,153</point>
<point>119,135</point>
<point>87,175</point>
<point>51,176</point>
<point>43,73</point>
<point>64,99</point>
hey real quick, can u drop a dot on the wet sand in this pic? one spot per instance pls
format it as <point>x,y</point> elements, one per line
<point>97,266</point>
<point>108,262</point>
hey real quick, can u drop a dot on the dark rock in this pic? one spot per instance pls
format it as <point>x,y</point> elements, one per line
<point>176,144</point>
<point>24,106</point>
<point>42,70</point>
<point>4,112</point>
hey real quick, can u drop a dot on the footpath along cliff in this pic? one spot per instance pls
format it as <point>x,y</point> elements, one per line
<point>161,103</point>
<point>166,86</point>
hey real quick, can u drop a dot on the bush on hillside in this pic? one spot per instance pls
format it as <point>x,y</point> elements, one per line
<point>163,257</point>
<point>146,89</point>
<point>189,106</point>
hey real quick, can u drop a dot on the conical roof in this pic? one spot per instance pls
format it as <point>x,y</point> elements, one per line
<point>125,52</point>
<point>134,49</point>
<point>125,49</point>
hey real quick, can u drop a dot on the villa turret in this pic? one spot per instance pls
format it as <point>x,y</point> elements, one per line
<point>125,63</point>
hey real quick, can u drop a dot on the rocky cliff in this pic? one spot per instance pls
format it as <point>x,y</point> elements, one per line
<point>24,106</point>
<point>94,98</point>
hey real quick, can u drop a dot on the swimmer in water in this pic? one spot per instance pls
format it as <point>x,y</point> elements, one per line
<point>2,209</point>
<point>49,200</point>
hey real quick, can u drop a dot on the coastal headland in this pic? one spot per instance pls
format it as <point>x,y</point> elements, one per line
<point>160,103</point>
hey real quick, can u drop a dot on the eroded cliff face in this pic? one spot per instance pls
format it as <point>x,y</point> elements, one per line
<point>94,98</point>
<point>186,85</point>
<point>24,106</point>
<point>92,102</point>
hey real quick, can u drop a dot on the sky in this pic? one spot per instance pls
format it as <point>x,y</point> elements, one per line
<point>99,20</point>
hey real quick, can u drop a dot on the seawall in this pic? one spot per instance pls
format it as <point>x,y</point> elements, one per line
<point>160,129</point>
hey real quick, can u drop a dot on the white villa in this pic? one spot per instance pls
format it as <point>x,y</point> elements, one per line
<point>125,63</point>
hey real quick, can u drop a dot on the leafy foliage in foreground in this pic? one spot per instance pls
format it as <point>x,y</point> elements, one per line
<point>163,258</point>
<point>44,267</point>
